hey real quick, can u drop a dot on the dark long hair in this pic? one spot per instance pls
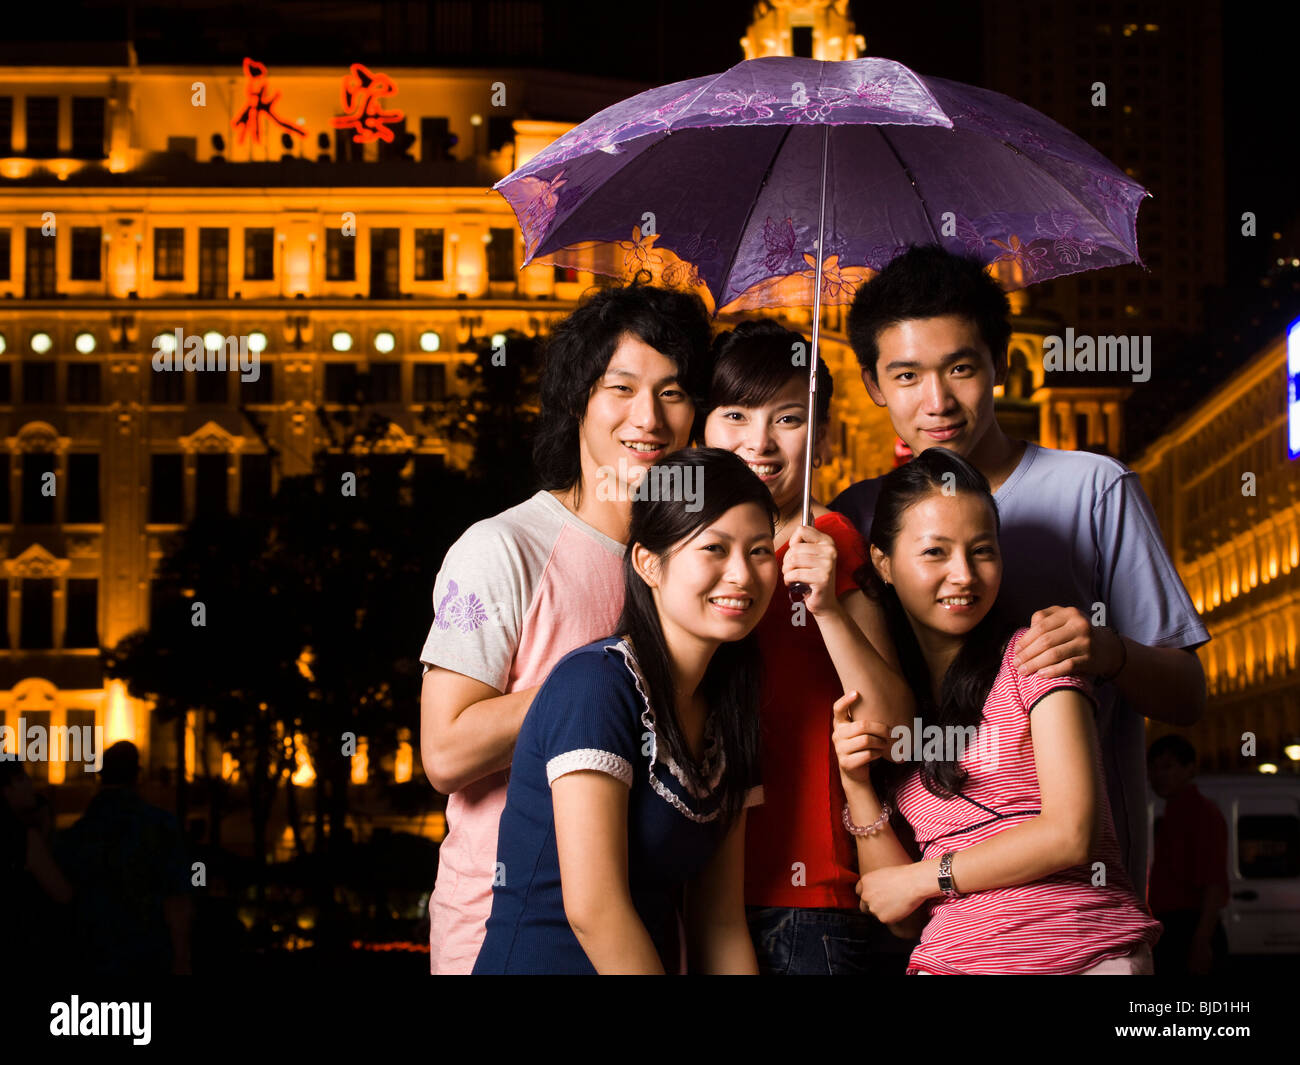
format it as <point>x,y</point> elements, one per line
<point>578,351</point>
<point>732,681</point>
<point>970,677</point>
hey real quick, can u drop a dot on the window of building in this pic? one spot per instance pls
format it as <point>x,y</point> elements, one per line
<point>385,262</point>
<point>429,255</point>
<point>82,620</point>
<point>214,263</point>
<point>346,149</point>
<point>263,389</point>
<point>167,489</point>
<point>4,614</point>
<point>211,485</point>
<point>501,131</point>
<point>212,386</point>
<point>397,147</point>
<point>565,275</point>
<point>87,242</point>
<point>6,255</point>
<point>6,125</point>
<point>501,255</point>
<point>188,147</point>
<point>169,254</point>
<point>254,482</point>
<point>259,254</point>
<point>78,721</point>
<point>83,488</point>
<point>38,382</point>
<point>88,127</point>
<point>340,256</point>
<point>429,382</point>
<point>38,488</point>
<point>436,140</point>
<point>42,126</point>
<point>36,627</point>
<point>84,382</point>
<point>39,270</point>
<point>340,382</point>
<point>6,383</point>
<point>166,386</point>
<point>385,382</point>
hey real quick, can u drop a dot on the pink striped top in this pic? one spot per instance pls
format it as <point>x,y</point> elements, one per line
<point>1064,923</point>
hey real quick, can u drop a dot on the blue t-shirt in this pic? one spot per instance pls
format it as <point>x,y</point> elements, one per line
<point>1077,530</point>
<point>591,714</point>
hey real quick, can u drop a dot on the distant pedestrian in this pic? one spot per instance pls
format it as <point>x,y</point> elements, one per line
<point>1189,869</point>
<point>127,861</point>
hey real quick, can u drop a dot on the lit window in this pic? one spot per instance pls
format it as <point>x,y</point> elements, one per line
<point>165,342</point>
<point>341,341</point>
<point>213,341</point>
<point>385,342</point>
<point>429,341</point>
<point>41,343</point>
<point>257,342</point>
<point>2,343</point>
<point>85,343</point>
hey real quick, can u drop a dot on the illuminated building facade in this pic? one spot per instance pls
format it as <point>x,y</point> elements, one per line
<point>334,225</point>
<point>1227,492</point>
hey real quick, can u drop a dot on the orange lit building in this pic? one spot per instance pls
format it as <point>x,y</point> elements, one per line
<point>1228,498</point>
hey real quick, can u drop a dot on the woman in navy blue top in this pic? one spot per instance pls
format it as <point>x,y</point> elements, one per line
<point>624,814</point>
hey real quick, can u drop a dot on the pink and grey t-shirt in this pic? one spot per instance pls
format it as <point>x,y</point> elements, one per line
<point>515,594</point>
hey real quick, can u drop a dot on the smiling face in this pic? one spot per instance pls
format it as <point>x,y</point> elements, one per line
<point>637,412</point>
<point>771,438</point>
<point>936,377</point>
<point>716,585</point>
<point>944,564</point>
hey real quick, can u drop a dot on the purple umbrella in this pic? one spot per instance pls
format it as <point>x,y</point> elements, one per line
<point>782,170</point>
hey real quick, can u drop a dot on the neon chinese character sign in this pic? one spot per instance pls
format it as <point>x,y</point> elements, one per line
<point>361,94</point>
<point>258,105</point>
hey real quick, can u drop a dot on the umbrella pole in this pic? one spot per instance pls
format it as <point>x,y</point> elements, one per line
<point>798,590</point>
<point>816,333</point>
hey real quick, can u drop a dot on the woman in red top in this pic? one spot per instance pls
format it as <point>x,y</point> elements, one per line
<point>800,866</point>
<point>1020,871</point>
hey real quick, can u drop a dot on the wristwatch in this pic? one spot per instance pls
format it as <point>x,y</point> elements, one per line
<point>946,883</point>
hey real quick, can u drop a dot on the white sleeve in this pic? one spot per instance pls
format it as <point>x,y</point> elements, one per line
<point>478,606</point>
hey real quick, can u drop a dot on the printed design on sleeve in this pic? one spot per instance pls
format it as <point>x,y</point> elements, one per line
<point>715,762</point>
<point>466,612</point>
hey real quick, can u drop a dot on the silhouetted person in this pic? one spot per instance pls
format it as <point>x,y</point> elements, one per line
<point>127,861</point>
<point>1189,867</point>
<point>33,890</point>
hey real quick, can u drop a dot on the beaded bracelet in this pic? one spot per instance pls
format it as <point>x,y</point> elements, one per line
<point>868,830</point>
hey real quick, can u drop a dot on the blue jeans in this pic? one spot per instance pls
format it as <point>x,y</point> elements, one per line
<point>824,942</point>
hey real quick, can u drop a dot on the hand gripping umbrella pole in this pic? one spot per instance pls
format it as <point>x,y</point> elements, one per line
<point>798,590</point>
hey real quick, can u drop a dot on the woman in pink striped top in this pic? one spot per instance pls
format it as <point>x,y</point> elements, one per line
<point>999,781</point>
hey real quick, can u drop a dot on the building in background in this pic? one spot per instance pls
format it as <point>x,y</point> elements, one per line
<point>334,226</point>
<point>1226,489</point>
<point>1162,73</point>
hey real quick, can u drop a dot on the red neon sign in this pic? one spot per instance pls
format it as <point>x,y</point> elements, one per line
<point>361,95</point>
<point>258,105</point>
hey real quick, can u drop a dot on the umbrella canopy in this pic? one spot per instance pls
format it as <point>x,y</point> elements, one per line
<point>717,182</point>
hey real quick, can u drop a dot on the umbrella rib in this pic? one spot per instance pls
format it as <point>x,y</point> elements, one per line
<point>725,277</point>
<point>925,207</point>
<point>1082,206</point>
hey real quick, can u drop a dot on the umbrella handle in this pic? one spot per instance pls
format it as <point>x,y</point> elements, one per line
<point>798,592</point>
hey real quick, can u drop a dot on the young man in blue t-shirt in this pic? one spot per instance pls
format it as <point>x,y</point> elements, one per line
<point>1079,538</point>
